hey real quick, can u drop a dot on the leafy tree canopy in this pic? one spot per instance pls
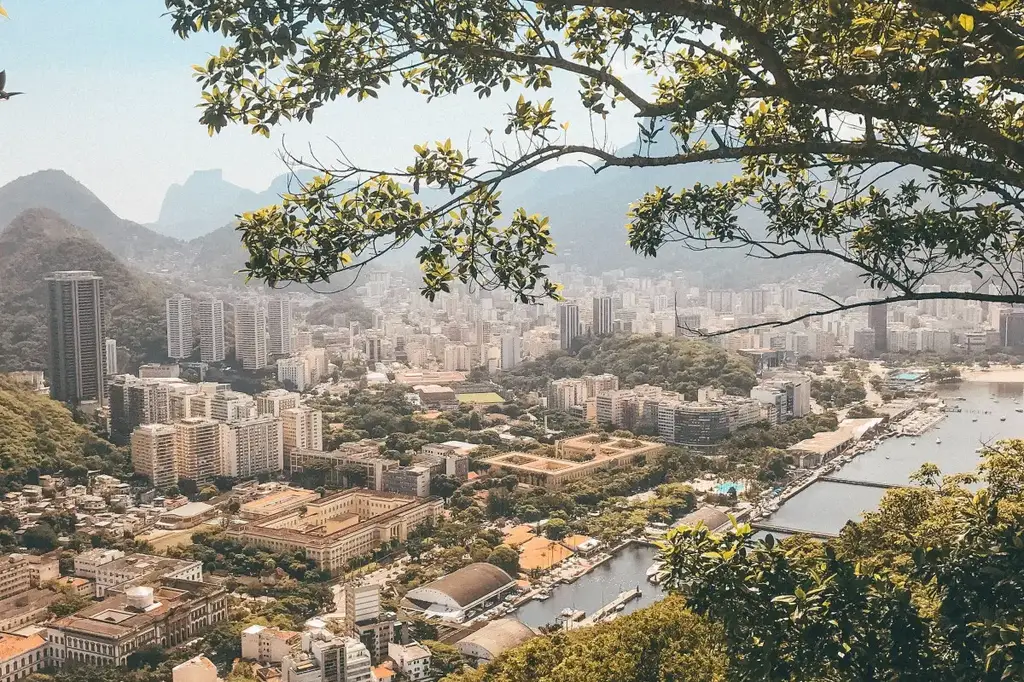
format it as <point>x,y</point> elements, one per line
<point>887,135</point>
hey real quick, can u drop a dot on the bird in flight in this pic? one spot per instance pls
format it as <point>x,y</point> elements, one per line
<point>3,83</point>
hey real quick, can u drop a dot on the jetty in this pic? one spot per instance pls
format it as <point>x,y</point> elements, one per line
<point>866,484</point>
<point>611,607</point>
<point>773,528</point>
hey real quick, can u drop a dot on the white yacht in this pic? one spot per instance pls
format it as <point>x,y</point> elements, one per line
<point>938,441</point>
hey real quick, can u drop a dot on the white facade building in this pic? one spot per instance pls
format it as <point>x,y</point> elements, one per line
<point>250,336</point>
<point>211,331</point>
<point>179,327</point>
<point>251,446</point>
<point>279,326</point>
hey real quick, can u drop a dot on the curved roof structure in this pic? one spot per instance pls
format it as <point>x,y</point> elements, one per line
<point>464,587</point>
<point>494,638</point>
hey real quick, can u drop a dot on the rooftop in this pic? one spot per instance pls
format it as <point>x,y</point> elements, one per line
<point>470,583</point>
<point>15,645</point>
<point>189,510</point>
<point>499,635</point>
<point>279,501</point>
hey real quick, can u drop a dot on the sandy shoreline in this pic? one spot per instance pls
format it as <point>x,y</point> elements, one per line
<point>995,373</point>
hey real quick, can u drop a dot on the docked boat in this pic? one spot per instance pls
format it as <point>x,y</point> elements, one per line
<point>654,573</point>
<point>938,441</point>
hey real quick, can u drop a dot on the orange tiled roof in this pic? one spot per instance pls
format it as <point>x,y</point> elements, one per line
<point>15,645</point>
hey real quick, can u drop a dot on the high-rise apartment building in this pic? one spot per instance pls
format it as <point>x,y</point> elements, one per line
<point>568,324</point>
<point>511,351</point>
<point>302,428</point>
<point>110,357</point>
<point>232,406</point>
<point>276,401</point>
<point>279,326</point>
<point>154,452</point>
<point>250,447</point>
<point>603,316</point>
<point>179,327</point>
<point>76,336</point>
<point>250,336</point>
<point>197,449</point>
<point>211,331</point>
<point>878,316</point>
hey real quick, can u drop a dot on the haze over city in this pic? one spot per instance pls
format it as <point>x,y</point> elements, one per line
<point>621,341</point>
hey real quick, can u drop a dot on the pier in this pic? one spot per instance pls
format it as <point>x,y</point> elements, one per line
<point>866,484</point>
<point>611,607</point>
<point>772,528</point>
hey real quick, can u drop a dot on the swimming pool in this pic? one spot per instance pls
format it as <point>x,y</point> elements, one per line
<point>724,488</point>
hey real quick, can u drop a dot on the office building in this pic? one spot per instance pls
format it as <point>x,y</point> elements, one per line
<point>251,447</point>
<point>154,452</point>
<point>211,331</point>
<point>413,481</point>
<point>1011,328</point>
<point>76,336</point>
<point>179,327</point>
<point>302,429</point>
<point>110,356</point>
<point>363,455</point>
<point>603,316</point>
<point>250,336</point>
<point>511,351</point>
<point>568,324</point>
<point>279,326</point>
<point>197,449</point>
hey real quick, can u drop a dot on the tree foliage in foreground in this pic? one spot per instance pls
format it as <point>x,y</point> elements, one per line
<point>928,587</point>
<point>660,643</point>
<point>887,135</point>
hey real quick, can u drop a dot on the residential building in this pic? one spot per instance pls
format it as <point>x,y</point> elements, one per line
<point>565,393</point>
<point>15,575</point>
<point>231,406</point>
<point>88,563</point>
<point>155,370</point>
<point>134,402</point>
<point>325,657</point>
<point>302,428</point>
<point>250,447</point>
<point>342,526</point>
<point>179,327</point>
<point>279,326</point>
<point>197,449</point>
<point>198,669</point>
<point>878,316</point>
<point>413,660</point>
<point>458,358</point>
<point>599,383</point>
<point>603,316</point>
<point>568,324</point>
<point>291,372</point>
<point>250,335</point>
<point>110,356</point>
<point>268,645</point>
<point>511,351</point>
<point>76,319</point>
<point>412,480</point>
<point>275,401</point>
<point>211,331</point>
<point>164,613</point>
<point>364,619</point>
<point>154,453</point>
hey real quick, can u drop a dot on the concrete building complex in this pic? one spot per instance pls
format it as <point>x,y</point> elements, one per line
<point>341,526</point>
<point>576,458</point>
<point>154,453</point>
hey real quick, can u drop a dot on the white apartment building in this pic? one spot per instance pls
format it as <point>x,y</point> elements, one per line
<point>211,331</point>
<point>325,657</point>
<point>231,406</point>
<point>292,371</point>
<point>302,428</point>
<point>250,336</point>
<point>511,351</point>
<point>276,401</point>
<point>197,449</point>
<point>458,358</point>
<point>267,645</point>
<point>412,659</point>
<point>110,355</point>
<point>251,447</point>
<point>279,326</point>
<point>568,324</point>
<point>154,452</point>
<point>179,327</point>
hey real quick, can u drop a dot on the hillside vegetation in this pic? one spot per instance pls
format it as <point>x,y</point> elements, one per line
<point>40,435</point>
<point>38,242</point>
<point>674,364</point>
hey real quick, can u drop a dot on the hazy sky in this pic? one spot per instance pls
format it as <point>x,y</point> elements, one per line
<point>110,99</point>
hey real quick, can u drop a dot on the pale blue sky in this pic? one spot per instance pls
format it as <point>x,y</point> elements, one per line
<point>110,99</point>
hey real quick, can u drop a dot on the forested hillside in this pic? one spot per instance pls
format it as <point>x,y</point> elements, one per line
<point>38,242</point>
<point>39,435</point>
<point>674,364</point>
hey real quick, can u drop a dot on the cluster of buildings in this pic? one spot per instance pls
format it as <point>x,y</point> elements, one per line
<point>647,409</point>
<point>181,430</point>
